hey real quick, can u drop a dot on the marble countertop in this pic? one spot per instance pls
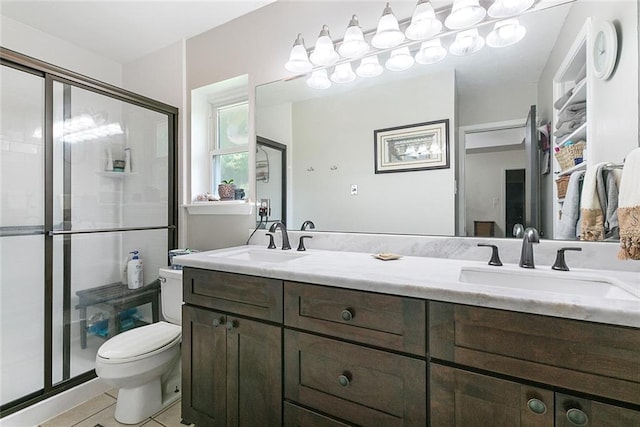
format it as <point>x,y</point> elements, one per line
<point>436,279</point>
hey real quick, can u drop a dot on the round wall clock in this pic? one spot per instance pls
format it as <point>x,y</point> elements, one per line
<point>605,49</point>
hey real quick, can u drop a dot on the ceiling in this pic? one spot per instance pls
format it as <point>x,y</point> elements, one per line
<point>125,30</point>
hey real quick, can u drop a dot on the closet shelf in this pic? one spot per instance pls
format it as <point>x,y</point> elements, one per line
<point>578,167</point>
<point>579,95</point>
<point>576,135</point>
<point>117,175</point>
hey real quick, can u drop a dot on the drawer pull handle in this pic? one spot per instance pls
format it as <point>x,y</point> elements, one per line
<point>218,322</point>
<point>577,417</point>
<point>347,314</point>
<point>231,324</point>
<point>537,406</point>
<point>344,379</point>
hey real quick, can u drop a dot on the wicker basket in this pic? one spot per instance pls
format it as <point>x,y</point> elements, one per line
<point>567,155</point>
<point>562,183</point>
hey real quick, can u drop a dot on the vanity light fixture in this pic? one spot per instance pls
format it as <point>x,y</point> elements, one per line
<point>324,52</point>
<point>464,14</point>
<point>388,34</point>
<point>343,73</point>
<point>507,8</point>
<point>431,52</point>
<point>319,79</point>
<point>400,60</point>
<point>505,33</point>
<point>298,58</point>
<point>353,44</point>
<point>399,40</point>
<point>466,43</point>
<point>424,23</point>
<point>369,67</point>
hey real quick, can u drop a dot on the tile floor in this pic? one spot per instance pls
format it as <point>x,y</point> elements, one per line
<point>98,412</point>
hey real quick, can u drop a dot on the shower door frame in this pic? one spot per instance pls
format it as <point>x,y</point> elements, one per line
<point>51,74</point>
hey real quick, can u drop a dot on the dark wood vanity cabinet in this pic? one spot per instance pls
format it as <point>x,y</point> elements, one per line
<point>231,364</point>
<point>595,359</point>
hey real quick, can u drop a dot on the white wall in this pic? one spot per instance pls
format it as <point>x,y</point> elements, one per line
<point>344,138</point>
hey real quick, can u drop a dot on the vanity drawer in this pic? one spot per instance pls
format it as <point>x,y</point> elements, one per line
<point>295,416</point>
<point>593,358</point>
<point>251,296</point>
<point>357,384</point>
<point>386,321</point>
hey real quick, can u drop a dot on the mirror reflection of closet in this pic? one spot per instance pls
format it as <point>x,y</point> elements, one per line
<point>271,182</point>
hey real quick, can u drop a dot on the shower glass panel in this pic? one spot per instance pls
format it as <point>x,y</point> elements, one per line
<point>21,234</point>
<point>110,175</point>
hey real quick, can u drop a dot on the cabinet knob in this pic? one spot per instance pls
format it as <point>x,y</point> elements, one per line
<point>347,314</point>
<point>537,406</point>
<point>577,417</point>
<point>218,322</point>
<point>344,379</point>
<point>231,324</point>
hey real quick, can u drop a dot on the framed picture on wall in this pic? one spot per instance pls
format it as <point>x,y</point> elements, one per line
<point>421,146</point>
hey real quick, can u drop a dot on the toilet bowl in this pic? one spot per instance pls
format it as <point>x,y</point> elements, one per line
<point>144,363</point>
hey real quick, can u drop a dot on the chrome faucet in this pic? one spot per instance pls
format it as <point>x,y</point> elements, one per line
<point>307,223</point>
<point>283,230</point>
<point>526,256</point>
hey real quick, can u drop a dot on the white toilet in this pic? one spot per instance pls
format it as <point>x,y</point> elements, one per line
<point>144,363</point>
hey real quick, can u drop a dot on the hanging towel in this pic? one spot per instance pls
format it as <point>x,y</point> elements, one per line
<point>571,208</point>
<point>629,207</point>
<point>591,215</point>
<point>608,195</point>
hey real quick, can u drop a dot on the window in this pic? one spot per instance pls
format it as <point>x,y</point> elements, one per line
<point>230,153</point>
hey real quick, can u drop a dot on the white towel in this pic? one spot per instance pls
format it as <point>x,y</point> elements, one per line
<point>591,215</point>
<point>570,208</point>
<point>629,207</point>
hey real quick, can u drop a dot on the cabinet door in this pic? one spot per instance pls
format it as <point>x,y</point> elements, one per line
<point>572,412</point>
<point>462,398</point>
<point>204,367</point>
<point>254,373</point>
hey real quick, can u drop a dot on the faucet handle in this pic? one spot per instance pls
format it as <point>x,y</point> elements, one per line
<point>560,263</point>
<point>495,258</point>
<point>272,244</point>
<point>301,243</point>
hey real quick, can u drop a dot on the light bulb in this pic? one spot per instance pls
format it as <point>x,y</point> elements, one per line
<point>343,73</point>
<point>507,8</point>
<point>319,80</point>
<point>298,59</point>
<point>424,23</point>
<point>506,33</point>
<point>324,53</point>
<point>400,60</point>
<point>466,43</point>
<point>431,52</point>
<point>369,67</point>
<point>353,44</point>
<point>388,33</point>
<point>464,13</point>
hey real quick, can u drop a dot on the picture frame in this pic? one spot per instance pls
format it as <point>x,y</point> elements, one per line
<point>416,147</point>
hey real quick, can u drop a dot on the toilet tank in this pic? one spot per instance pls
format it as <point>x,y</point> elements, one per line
<point>171,294</point>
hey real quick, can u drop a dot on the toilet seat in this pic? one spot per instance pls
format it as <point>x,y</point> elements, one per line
<point>140,343</point>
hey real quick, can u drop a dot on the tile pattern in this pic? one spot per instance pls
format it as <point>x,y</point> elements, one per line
<point>99,412</point>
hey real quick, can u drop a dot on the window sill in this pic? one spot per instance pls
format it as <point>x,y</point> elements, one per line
<point>231,207</point>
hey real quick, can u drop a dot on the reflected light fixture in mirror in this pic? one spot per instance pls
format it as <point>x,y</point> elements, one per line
<point>466,43</point>
<point>424,23</point>
<point>464,14</point>
<point>388,34</point>
<point>388,39</point>
<point>319,79</point>
<point>353,44</point>
<point>324,53</point>
<point>343,73</point>
<point>369,67</point>
<point>507,8</point>
<point>505,33</point>
<point>298,58</point>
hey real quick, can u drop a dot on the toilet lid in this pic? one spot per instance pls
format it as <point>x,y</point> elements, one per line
<point>139,341</point>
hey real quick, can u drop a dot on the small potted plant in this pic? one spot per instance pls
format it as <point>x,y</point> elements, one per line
<point>226,190</point>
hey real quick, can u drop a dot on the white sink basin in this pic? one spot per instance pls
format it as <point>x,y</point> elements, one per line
<point>259,255</point>
<point>558,282</point>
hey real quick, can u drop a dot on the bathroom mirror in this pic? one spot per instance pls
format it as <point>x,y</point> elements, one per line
<point>330,134</point>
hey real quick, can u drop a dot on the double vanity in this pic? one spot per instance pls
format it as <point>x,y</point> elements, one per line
<point>335,338</point>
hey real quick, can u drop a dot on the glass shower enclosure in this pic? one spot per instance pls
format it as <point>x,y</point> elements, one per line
<point>87,175</point>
